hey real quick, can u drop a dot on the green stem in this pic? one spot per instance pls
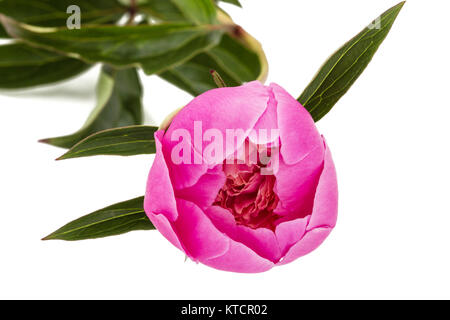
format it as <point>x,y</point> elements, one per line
<point>218,79</point>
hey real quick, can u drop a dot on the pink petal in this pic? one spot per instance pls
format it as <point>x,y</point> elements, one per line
<point>311,240</point>
<point>159,196</point>
<point>197,233</point>
<point>290,232</point>
<point>263,132</point>
<point>326,198</point>
<point>324,214</point>
<point>296,184</point>
<point>239,258</point>
<point>298,132</point>
<point>223,220</point>
<point>219,109</point>
<point>184,175</point>
<point>262,241</point>
<point>205,191</point>
<point>166,229</point>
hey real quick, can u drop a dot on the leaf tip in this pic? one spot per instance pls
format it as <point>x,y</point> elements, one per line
<point>238,31</point>
<point>63,157</point>
<point>400,5</point>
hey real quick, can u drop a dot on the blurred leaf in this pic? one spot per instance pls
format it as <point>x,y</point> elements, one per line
<point>342,69</point>
<point>111,221</point>
<point>53,13</point>
<point>198,11</point>
<point>22,66</point>
<point>154,47</point>
<point>119,95</point>
<point>125,141</point>
<point>234,59</point>
<point>3,33</point>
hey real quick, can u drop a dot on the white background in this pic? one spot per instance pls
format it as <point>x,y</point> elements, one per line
<point>390,140</point>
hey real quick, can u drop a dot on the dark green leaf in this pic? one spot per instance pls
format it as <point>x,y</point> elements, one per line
<point>163,10</point>
<point>3,33</point>
<point>197,11</point>
<point>232,59</point>
<point>53,13</point>
<point>345,66</point>
<point>238,58</point>
<point>125,141</point>
<point>246,63</point>
<point>119,95</point>
<point>111,221</point>
<point>194,76</point>
<point>23,66</point>
<point>154,47</point>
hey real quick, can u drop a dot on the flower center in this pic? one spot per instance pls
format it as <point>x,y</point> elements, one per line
<point>249,196</point>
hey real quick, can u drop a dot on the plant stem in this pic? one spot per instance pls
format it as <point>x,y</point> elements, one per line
<point>218,79</point>
<point>132,10</point>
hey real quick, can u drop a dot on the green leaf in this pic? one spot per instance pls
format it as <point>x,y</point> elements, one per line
<point>198,11</point>
<point>22,66</point>
<point>119,95</point>
<point>53,13</point>
<point>237,59</point>
<point>235,2</point>
<point>194,76</point>
<point>342,69</point>
<point>125,141</point>
<point>246,63</point>
<point>162,10</point>
<point>153,47</point>
<point>111,221</point>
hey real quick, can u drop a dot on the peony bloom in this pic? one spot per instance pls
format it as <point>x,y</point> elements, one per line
<point>248,203</point>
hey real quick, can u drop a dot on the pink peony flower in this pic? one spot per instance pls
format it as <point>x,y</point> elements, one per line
<point>249,205</point>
